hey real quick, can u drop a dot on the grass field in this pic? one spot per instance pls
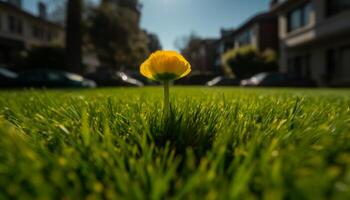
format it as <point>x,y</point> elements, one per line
<point>216,144</point>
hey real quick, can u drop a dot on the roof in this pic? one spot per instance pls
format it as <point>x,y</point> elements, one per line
<point>227,34</point>
<point>209,40</point>
<point>285,4</point>
<point>261,17</point>
<point>14,8</point>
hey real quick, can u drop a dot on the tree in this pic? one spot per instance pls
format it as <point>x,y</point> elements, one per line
<point>116,36</point>
<point>153,42</point>
<point>58,11</point>
<point>200,52</point>
<point>182,43</point>
<point>73,54</point>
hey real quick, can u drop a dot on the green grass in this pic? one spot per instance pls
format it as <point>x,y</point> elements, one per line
<point>217,143</point>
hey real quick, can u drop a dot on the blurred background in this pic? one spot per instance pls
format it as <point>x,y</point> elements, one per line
<point>99,43</point>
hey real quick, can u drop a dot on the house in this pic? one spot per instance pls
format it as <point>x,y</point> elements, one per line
<point>260,31</point>
<point>227,40</point>
<point>203,55</point>
<point>315,39</point>
<point>20,30</point>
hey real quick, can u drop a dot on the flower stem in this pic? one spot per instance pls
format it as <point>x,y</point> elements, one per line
<point>166,98</point>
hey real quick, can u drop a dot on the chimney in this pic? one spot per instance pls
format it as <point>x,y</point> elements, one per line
<point>17,3</point>
<point>42,10</point>
<point>272,3</point>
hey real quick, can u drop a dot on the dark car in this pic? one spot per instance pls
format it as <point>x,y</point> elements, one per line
<point>276,79</point>
<point>223,81</point>
<point>8,78</point>
<point>195,79</point>
<point>53,79</point>
<point>138,76</point>
<point>108,77</point>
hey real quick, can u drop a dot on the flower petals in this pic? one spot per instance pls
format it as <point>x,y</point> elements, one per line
<point>165,65</point>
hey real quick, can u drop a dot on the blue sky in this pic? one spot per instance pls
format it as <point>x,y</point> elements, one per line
<point>172,19</point>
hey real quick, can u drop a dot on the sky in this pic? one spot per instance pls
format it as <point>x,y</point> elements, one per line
<point>173,19</point>
<point>32,5</point>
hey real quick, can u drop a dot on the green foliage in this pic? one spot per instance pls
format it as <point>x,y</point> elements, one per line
<point>215,144</point>
<point>116,36</point>
<point>153,42</point>
<point>247,61</point>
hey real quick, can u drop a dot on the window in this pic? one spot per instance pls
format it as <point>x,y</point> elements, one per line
<point>307,9</point>
<point>299,66</point>
<point>337,6</point>
<point>245,37</point>
<point>295,20</point>
<point>299,17</point>
<point>338,60</point>
<point>331,64</point>
<point>15,25</point>
<point>49,36</point>
<point>39,33</point>
<point>54,77</point>
<point>36,32</point>
<point>345,63</point>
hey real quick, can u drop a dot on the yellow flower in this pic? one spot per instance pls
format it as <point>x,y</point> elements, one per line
<point>165,66</point>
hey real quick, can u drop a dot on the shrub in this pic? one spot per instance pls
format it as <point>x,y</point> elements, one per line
<point>246,61</point>
<point>42,58</point>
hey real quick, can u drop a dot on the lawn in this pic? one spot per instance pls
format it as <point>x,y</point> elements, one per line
<point>217,143</point>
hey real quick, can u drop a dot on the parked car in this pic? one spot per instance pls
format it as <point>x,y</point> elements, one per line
<point>53,79</point>
<point>223,81</point>
<point>127,79</point>
<point>276,79</point>
<point>8,78</point>
<point>107,77</point>
<point>138,76</point>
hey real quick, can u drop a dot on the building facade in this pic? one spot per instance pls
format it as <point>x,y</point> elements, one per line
<point>315,39</point>
<point>227,40</point>
<point>260,31</point>
<point>20,30</point>
<point>203,55</point>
